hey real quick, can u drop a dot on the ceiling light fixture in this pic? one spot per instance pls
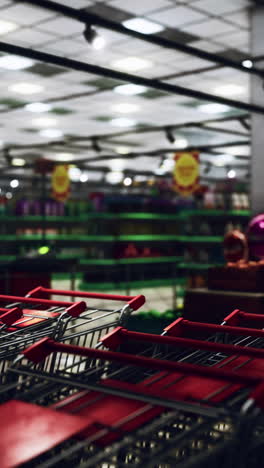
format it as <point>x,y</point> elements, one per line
<point>25,88</point>
<point>168,164</point>
<point>241,150</point>
<point>114,177</point>
<point>122,150</point>
<point>93,38</point>
<point>125,108</point>
<point>9,195</point>
<point>229,90</point>
<point>231,174</point>
<point>38,107</point>
<point>62,157</point>
<point>117,164</point>
<point>15,62</point>
<point>181,143</point>
<point>247,63</point>
<point>169,135</point>
<point>130,89</point>
<point>214,108</point>
<point>122,122</point>
<point>7,27</point>
<point>223,159</point>
<point>131,64</point>
<point>143,26</point>
<point>127,181</point>
<point>44,122</point>
<point>14,183</point>
<point>51,133</point>
<point>74,174</point>
<point>84,177</point>
<point>18,162</point>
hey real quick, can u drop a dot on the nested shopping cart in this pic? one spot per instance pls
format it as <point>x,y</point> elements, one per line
<point>173,439</point>
<point>238,328</point>
<point>145,411</point>
<point>27,319</point>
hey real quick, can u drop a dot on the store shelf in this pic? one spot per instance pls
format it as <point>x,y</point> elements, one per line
<point>133,215</point>
<point>56,237</point>
<point>200,239</point>
<point>101,238</point>
<point>7,258</point>
<point>216,213</point>
<point>110,286</point>
<point>130,261</point>
<point>91,216</point>
<point>195,266</point>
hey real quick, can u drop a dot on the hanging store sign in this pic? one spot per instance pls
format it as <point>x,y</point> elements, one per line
<point>60,182</point>
<point>186,172</point>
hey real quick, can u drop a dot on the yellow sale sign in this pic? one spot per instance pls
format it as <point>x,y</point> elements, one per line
<point>60,182</point>
<point>186,172</point>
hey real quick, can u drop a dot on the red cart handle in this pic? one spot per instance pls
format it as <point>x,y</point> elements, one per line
<point>237,316</point>
<point>133,301</point>
<point>120,335</point>
<point>181,325</point>
<point>43,348</point>
<point>9,316</point>
<point>72,308</point>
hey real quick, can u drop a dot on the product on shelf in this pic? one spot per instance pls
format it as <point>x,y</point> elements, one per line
<point>239,276</point>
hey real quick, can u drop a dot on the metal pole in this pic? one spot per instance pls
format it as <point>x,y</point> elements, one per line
<point>257,93</point>
<point>43,211</point>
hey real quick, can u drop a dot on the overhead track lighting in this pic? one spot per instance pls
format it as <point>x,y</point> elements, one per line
<point>169,135</point>
<point>93,38</point>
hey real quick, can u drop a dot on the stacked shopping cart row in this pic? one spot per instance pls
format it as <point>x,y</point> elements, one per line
<point>25,320</point>
<point>189,398</point>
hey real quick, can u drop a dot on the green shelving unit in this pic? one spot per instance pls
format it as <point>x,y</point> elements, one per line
<point>102,238</point>
<point>122,216</point>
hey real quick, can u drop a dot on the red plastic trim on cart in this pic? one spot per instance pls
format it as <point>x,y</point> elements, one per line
<point>46,346</point>
<point>237,316</point>
<point>72,308</point>
<point>181,325</point>
<point>120,335</point>
<point>133,301</point>
<point>9,316</point>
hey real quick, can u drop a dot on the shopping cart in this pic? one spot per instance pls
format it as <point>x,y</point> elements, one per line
<point>216,375</point>
<point>34,317</point>
<point>142,411</point>
<point>238,318</point>
<point>172,439</point>
<point>238,328</point>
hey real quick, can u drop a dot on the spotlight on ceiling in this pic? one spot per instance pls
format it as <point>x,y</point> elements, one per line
<point>93,38</point>
<point>14,183</point>
<point>207,168</point>
<point>95,145</point>
<point>231,174</point>
<point>127,181</point>
<point>247,63</point>
<point>169,135</point>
